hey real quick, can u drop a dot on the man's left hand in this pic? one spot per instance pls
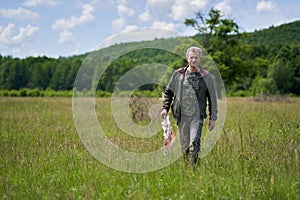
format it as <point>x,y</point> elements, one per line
<point>211,125</point>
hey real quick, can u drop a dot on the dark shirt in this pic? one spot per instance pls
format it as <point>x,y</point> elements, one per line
<point>190,86</point>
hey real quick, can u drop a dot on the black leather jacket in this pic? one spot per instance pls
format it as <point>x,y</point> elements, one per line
<point>172,94</point>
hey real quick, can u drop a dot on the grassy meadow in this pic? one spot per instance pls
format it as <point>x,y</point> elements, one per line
<point>42,157</point>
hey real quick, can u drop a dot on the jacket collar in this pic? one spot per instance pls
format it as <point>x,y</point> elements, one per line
<point>203,72</point>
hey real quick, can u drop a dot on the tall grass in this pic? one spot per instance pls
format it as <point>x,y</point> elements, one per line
<point>42,157</point>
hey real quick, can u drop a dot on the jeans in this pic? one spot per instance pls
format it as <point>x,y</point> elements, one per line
<point>190,130</point>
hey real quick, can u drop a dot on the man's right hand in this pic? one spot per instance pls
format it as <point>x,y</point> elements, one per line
<point>164,113</point>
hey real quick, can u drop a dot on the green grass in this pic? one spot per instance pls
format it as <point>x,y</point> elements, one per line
<point>42,157</point>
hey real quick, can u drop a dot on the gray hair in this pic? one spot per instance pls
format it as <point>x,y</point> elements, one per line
<point>194,49</point>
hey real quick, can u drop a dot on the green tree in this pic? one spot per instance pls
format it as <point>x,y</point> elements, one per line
<point>71,75</point>
<point>283,75</point>
<point>226,27</point>
<point>39,78</point>
<point>58,80</point>
<point>263,86</point>
<point>114,72</point>
<point>13,74</point>
<point>5,73</point>
<point>295,63</point>
<point>213,26</point>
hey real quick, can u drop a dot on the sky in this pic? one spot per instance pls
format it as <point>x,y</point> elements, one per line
<point>57,28</point>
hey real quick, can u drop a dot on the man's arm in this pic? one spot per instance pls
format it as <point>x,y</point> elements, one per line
<point>168,96</point>
<point>212,104</point>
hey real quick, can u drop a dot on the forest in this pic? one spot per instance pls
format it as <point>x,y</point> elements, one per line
<point>261,62</point>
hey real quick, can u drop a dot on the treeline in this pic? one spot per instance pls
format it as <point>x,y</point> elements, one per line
<point>38,72</point>
<point>279,35</point>
<point>248,68</point>
<point>43,76</point>
<point>25,92</point>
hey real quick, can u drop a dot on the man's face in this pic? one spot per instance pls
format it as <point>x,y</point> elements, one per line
<point>193,59</point>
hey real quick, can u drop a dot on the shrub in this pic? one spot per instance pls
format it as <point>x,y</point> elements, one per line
<point>34,93</point>
<point>23,92</point>
<point>13,93</point>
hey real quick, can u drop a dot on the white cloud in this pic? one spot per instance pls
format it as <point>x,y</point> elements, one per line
<point>65,25</point>
<point>71,22</point>
<point>25,33</point>
<point>118,24</point>
<point>160,10</point>
<point>19,14</point>
<point>124,10</point>
<point>168,14</point>
<point>34,3</point>
<point>224,7</point>
<point>199,4</point>
<point>160,4</point>
<point>182,9</point>
<point>265,6</point>
<point>165,25</point>
<point>179,12</point>
<point>145,17</point>
<point>129,8</point>
<point>130,28</point>
<point>9,37</point>
<point>87,14</point>
<point>128,13</point>
<point>66,36</point>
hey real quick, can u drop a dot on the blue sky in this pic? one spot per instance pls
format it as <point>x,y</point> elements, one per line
<point>63,27</point>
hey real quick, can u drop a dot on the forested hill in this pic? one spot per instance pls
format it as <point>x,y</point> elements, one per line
<point>279,35</point>
<point>265,61</point>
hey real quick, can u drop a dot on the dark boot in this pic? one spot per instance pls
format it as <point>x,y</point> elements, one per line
<point>195,159</point>
<point>186,155</point>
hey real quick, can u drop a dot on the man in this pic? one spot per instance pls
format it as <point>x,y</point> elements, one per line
<point>187,94</point>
